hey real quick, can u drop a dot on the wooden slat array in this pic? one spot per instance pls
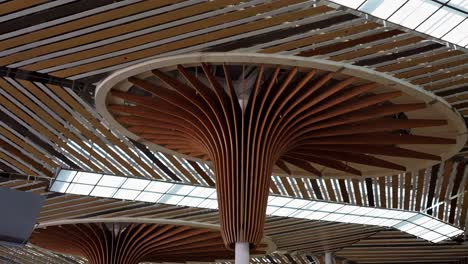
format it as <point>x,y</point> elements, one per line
<point>293,235</point>
<point>314,122</point>
<point>87,47</point>
<point>280,26</point>
<point>395,247</point>
<point>132,243</point>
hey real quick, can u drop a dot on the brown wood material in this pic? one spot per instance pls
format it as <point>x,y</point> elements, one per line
<point>132,243</point>
<point>286,117</point>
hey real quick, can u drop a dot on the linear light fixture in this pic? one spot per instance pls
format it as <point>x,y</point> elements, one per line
<point>153,191</point>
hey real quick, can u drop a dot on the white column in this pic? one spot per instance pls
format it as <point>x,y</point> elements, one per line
<point>329,257</point>
<point>242,253</point>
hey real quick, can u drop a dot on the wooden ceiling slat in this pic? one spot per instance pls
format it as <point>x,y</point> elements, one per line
<point>464,209</point>
<point>223,33</point>
<point>179,166</point>
<point>373,50</point>
<point>320,38</point>
<point>437,67</point>
<point>14,151</point>
<point>82,23</point>
<point>31,149</point>
<point>43,130</point>
<point>407,187</point>
<point>330,190</point>
<point>13,6</point>
<point>159,19</point>
<point>432,186</point>
<point>302,187</point>
<point>316,188</point>
<point>78,107</point>
<point>357,192</point>
<point>438,77</point>
<point>56,124</point>
<point>455,189</point>
<point>383,190</point>
<point>59,110</point>
<point>448,167</point>
<point>350,43</point>
<point>450,83</point>
<point>395,189</point>
<point>287,186</point>
<point>419,192</point>
<point>343,190</point>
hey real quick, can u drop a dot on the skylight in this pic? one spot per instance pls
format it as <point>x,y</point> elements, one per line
<point>443,19</point>
<point>152,191</point>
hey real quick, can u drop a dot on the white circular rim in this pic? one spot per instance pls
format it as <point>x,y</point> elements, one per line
<point>429,98</point>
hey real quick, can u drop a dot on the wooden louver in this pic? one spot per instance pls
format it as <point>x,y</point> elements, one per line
<point>132,243</point>
<point>285,117</point>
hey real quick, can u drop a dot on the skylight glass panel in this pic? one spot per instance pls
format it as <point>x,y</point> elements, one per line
<point>316,205</point>
<point>81,189</point>
<point>149,197</point>
<point>431,236</point>
<point>160,187</point>
<point>348,218</point>
<point>66,175</point>
<point>437,240</point>
<point>87,178</point>
<point>406,215</point>
<point>460,4</point>
<point>191,201</point>
<point>404,226</point>
<point>377,212</point>
<point>111,181</point>
<point>271,209</point>
<point>391,214</point>
<point>376,221</point>
<point>181,189</point>
<point>333,217</point>
<point>420,219</point>
<point>59,186</point>
<point>209,204</point>
<point>317,215</point>
<point>441,19</point>
<point>301,214</point>
<point>202,192</point>
<point>171,199</point>
<point>347,209</point>
<point>331,207</point>
<point>284,211</point>
<point>414,13</point>
<point>458,35</point>
<point>431,224</point>
<point>441,22</point>
<point>353,4</point>
<point>280,201</point>
<point>380,8</point>
<point>298,203</point>
<point>135,184</point>
<point>155,191</point>
<point>102,191</point>
<point>362,211</point>
<point>126,194</point>
<point>446,230</point>
<point>417,230</point>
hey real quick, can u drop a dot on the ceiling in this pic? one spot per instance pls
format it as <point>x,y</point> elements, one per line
<point>52,53</point>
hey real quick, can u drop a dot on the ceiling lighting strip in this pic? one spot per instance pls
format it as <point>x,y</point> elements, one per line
<point>139,189</point>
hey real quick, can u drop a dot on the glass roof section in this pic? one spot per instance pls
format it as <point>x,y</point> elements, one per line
<point>443,19</point>
<point>154,191</point>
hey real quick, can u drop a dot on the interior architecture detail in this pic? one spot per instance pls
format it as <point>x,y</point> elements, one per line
<point>227,131</point>
<point>124,241</point>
